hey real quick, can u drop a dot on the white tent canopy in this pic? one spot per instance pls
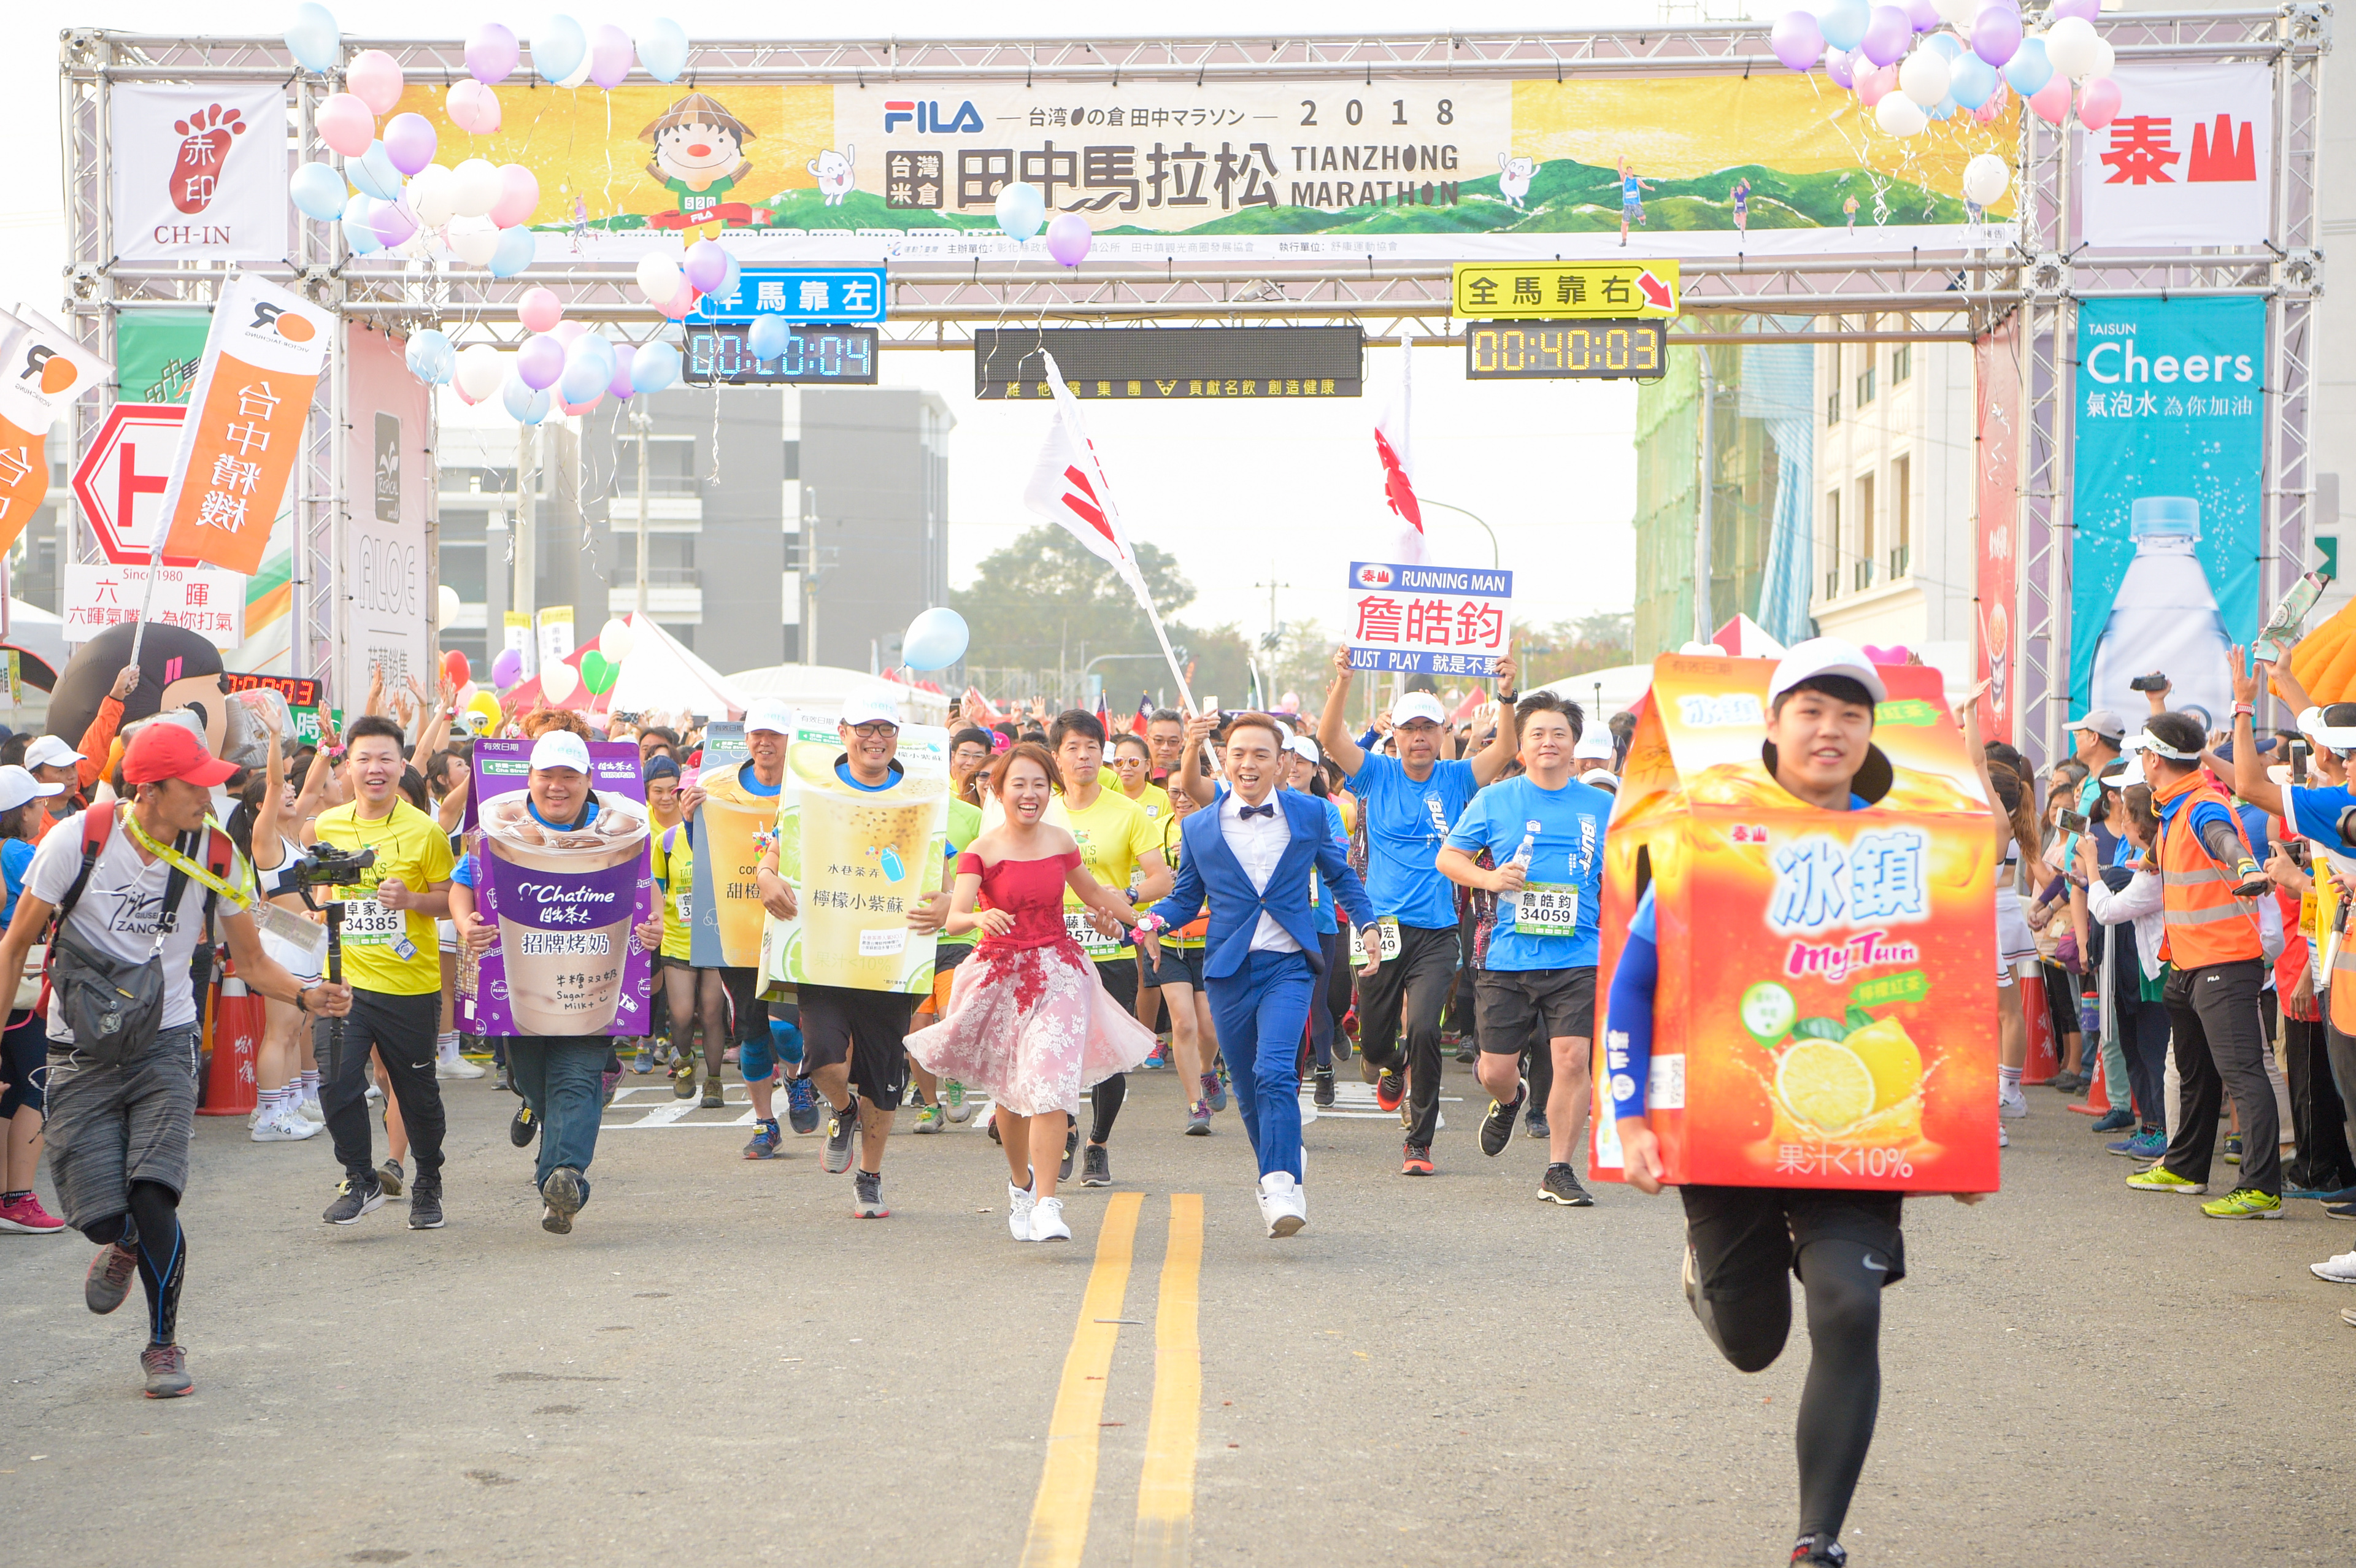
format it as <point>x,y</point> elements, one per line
<point>821,689</point>
<point>660,675</point>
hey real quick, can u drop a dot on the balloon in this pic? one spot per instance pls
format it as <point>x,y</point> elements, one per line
<point>409,142</point>
<point>1069,238</point>
<point>2028,70</point>
<point>374,77</point>
<point>2070,45</point>
<point>655,367</point>
<point>706,265</point>
<point>1973,82</point>
<point>539,361</point>
<point>513,254</point>
<point>659,277</point>
<point>359,233</point>
<point>559,50</point>
<point>734,282</point>
<point>474,186</point>
<point>430,358</point>
<point>1925,76</point>
<point>1957,11</point>
<point>2098,103</point>
<point>1796,39</point>
<point>1986,179</point>
<point>506,667</point>
<point>473,239</point>
<point>523,404</point>
<point>473,108</point>
<point>1943,110</point>
<point>615,639</point>
<point>936,639</point>
<point>373,173</point>
<point>619,384</point>
<point>518,195</point>
<point>1021,210</point>
<point>568,333</point>
<point>597,671</point>
<point>662,49</point>
<point>455,666</point>
<point>2052,101</point>
<point>1948,46</point>
<point>1922,15</point>
<point>769,337</point>
<point>467,693</point>
<point>491,54</point>
<point>609,55</point>
<point>313,40</point>
<point>430,195</point>
<point>2105,57</point>
<point>1986,113</point>
<point>558,682</point>
<point>2084,10</point>
<point>345,123</point>
<point>1995,35</point>
<point>591,348</point>
<point>583,381</point>
<point>1887,36</point>
<point>1844,23</point>
<point>681,303</point>
<point>1873,86</point>
<point>1841,66</point>
<point>393,221</point>
<point>540,310</point>
<point>1901,115</point>
<point>319,191</point>
<point>447,604</point>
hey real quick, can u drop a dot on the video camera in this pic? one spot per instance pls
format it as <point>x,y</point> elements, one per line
<point>328,866</point>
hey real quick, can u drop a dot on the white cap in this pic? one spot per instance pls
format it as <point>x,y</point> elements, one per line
<point>1602,778</point>
<point>768,713</point>
<point>1827,655</point>
<point>50,751</point>
<point>1417,705</point>
<point>873,708</point>
<point>560,748</point>
<point>1302,746</point>
<point>1594,744</point>
<point>17,787</point>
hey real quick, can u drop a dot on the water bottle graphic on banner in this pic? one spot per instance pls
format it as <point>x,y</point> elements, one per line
<point>2164,618</point>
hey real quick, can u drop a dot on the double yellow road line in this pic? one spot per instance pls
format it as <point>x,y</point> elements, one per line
<point>1165,1493</point>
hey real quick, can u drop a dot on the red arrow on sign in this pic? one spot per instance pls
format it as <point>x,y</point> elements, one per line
<point>129,459</point>
<point>1657,292</point>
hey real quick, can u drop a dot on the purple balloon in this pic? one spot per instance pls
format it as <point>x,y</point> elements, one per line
<point>1887,36</point>
<point>393,221</point>
<point>610,54</point>
<point>1069,239</point>
<point>620,385</point>
<point>1796,39</point>
<point>706,265</point>
<point>508,666</point>
<point>2084,10</point>
<point>491,54</point>
<point>1841,66</point>
<point>1925,16</point>
<point>409,142</point>
<point>539,361</point>
<point>1995,35</point>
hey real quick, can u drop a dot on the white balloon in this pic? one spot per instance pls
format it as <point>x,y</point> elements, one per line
<point>2070,45</point>
<point>558,682</point>
<point>1986,179</point>
<point>431,190</point>
<point>1901,115</point>
<point>481,369</point>
<point>475,240</point>
<point>1923,80</point>
<point>474,189</point>
<point>659,278</point>
<point>615,639</point>
<point>449,602</point>
<point>2105,57</point>
<point>1955,13</point>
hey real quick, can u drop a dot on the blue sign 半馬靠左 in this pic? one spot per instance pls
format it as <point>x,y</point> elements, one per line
<point>844,296</point>
<point>1428,619</point>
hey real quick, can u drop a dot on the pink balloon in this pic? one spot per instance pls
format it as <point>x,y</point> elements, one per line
<point>540,310</point>
<point>2098,103</point>
<point>346,124</point>
<point>409,142</point>
<point>2052,101</point>
<point>706,265</point>
<point>620,385</point>
<point>610,53</point>
<point>579,408</point>
<point>474,108</point>
<point>460,387</point>
<point>1069,239</point>
<point>1873,86</point>
<point>681,302</point>
<point>374,77</point>
<point>518,195</point>
<point>568,333</point>
<point>539,361</point>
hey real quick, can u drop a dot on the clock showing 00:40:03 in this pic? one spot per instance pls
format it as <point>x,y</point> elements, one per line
<point>1552,350</point>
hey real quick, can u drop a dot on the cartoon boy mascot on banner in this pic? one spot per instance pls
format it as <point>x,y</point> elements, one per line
<point>699,157</point>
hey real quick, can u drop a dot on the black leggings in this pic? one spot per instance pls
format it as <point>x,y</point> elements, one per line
<point>1844,1389</point>
<point>152,1228</point>
<point>1104,1106</point>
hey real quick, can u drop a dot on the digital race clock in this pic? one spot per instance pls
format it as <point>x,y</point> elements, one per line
<point>813,356</point>
<point>1551,350</point>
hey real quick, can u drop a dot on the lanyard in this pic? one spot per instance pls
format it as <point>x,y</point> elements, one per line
<point>181,863</point>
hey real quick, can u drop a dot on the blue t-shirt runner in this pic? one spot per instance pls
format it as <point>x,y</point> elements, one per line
<point>1551,924</point>
<point>1407,821</point>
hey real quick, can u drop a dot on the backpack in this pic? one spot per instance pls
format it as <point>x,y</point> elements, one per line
<point>114,1006</point>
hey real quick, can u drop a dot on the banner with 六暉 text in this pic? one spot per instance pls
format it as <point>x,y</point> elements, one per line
<point>42,370</point>
<point>198,173</point>
<point>1428,619</point>
<point>2187,160</point>
<point>388,569</point>
<point>200,599</point>
<point>247,413</point>
<point>1538,170</point>
<point>2167,498</point>
<point>1997,382</point>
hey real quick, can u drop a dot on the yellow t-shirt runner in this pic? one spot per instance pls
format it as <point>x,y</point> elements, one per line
<point>390,952</point>
<point>674,863</point>
<point>1155,800</point>
<point>1114,834</point>
<point>1195,932</point>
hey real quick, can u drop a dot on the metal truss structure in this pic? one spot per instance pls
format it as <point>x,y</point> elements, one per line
<point>1900,296</point>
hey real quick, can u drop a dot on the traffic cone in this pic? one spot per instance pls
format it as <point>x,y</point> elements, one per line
<point>2098,1095</point>
<point>2043,1061</point>
<point>237,1035</point>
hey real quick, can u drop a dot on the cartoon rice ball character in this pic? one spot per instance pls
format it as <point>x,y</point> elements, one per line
<point>699,157</point>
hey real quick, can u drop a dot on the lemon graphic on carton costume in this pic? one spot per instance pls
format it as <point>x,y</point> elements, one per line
<point>1891,1056</point>
<point>1824,1085</point>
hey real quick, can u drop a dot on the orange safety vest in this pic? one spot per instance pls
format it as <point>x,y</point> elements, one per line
<point>2206,923</point>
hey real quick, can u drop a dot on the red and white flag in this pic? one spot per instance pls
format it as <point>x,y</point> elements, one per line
<point>1394,447</point>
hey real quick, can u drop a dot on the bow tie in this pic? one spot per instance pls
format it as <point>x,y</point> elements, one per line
<point>1265,809</point>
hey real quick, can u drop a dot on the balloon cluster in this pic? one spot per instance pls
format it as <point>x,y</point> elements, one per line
<point>1021,209</point>
<point>672,281</point>
<point>562,368</point>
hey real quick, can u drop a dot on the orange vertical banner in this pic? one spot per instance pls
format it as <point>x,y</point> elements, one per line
<point>42,369</point>
<point>245,424</point>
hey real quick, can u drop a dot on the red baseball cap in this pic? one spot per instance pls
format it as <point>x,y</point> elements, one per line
<point>165,749</point>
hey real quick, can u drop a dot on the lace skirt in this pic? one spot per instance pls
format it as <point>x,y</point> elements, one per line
<point>1033,1027</point>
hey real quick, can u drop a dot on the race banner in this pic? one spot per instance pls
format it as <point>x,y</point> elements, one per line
<point>2188,159</point>
<point>1428,619</point>
<point>200,599</point>
<point>858,862</point>
<point>1996,383</point>
<point>565,902</point>
<point>387,568</point>
<point>42,370</point>
<point>1544,169</point>
<point>246,417</point>
<point>198,172</point>
<point>733,828</point>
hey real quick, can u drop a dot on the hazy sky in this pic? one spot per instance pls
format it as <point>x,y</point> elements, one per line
<point>1236,492</point>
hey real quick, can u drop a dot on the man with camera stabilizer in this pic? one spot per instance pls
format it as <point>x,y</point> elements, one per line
<point>123,1017</point>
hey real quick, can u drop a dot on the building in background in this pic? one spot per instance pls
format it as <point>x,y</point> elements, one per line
<point>870,533</point>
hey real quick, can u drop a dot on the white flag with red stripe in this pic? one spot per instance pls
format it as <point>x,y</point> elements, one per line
<point>1395,450</point>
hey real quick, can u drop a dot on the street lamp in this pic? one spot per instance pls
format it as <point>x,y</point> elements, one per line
<point>1448,507</point>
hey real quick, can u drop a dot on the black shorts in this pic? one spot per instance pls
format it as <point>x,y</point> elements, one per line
<point>947,955</point>
<point>745,1000</point>
<point>665,961</point>
<point>1744,1237</point>
<point>867,1029</point>
<point>24,1066</point>
<point>1510,1003</point>
<point>1120,977</point>
<point>1179,967</point>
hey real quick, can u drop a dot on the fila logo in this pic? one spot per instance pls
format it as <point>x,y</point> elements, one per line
<point>927,116</point>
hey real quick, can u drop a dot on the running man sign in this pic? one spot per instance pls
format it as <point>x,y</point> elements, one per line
<point>1428,619</point>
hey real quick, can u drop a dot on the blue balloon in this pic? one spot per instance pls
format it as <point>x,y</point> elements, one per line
<point>1943,110</point>
<point>1973,82</point>
<point>319,191</point>
<point>769,337</point>
<point>732,281</point>
<point>524,405</point>
<point>359,227</point>
<point>654,367</point>
<point>1947,44</point>
<point>373,173</point>
<point>431,357</point>
<point>516,250</point>
<point>1844,22</point>
<point>936,639</point>
<point>1020,210</point>
<point>662,49</point>
<point>2028,70</point>
<point>313,40</point>
<point>556,52</point>
<point>584,380</point>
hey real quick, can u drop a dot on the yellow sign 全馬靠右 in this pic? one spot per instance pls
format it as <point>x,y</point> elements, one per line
<point>1554,290</point>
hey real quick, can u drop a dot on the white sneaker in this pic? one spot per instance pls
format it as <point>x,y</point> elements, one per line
<point>2011,1101</point>
<point>311,1111</point>
<point>448,1064</point>
<point>2341,1270</point>
<point>1308,1104</point>
<point>1283,1203</point>
<point>374,1093</point>
<point>1019,1203</point>
<point>285,1129</point>
<point>1047,1221</point>
<point>2003,1138</point>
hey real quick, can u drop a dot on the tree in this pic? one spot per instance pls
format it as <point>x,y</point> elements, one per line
<point>1592,642</point>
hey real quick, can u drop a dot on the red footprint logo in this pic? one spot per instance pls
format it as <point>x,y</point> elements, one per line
<point>204,146</point>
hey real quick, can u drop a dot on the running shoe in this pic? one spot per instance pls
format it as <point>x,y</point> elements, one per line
<point>499,1079</point>
<point>26,1216</point>
<point>610,1080</point>
<point>1466,1051</point>
<point>715,1097</point>
<point>1047,1221</point>
<point>523,1127</point>
<point>867,1196</point>
<point>312,1111</point>
<point>645,1062</point>
<point>1497,1127</point>
<point>1215,1091</point>
<point>2114,1120</point>
<point>728,1057</point>
<point>1534,1125</point>
<point>1096,1168</point>
<point>2341,1270</point>
<point>1019,1203</point>
<point>953,1101</point>
<point>1561,1186</point>
<point>1416,1160</point>
<point>989,1126</point>
<point>801,1105</point>
<point>1071,1145</point>
<point>109,1279</point>
<point>765,1141</point>
<point>425,1203</point>
<point>1390,1090</point>
<point>284,1127</point>
<point>167,1367</point>
<point>1323,1094</point>
<point>2011,1101</point>
<point>2149,1146</point>
<point>2233,1151</point>
<point>391,1177</point>
<point>2244,1203</point>
<point>1808,1553</point>
<point>566,1191</point>
<point>840,1127</point>
<point>2340,1211</point>
<point>1283,1207</point>
<point>2160,1179</point>
<point>351,1201</point>
<point>929,1119</point>
<point>1198,1119</point>
<point>2003,1138</point>
<point>682,1083</point>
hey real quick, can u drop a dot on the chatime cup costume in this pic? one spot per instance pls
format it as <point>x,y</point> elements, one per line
<point>565,911</point>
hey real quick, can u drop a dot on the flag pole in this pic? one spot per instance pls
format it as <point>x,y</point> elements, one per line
<point>147,597</point>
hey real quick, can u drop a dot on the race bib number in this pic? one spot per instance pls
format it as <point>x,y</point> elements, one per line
<point>686,910</point>
<point>367,923</point>
<point>1543,908</point>
<point>1091,940</point>
<point>1389,928</point>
